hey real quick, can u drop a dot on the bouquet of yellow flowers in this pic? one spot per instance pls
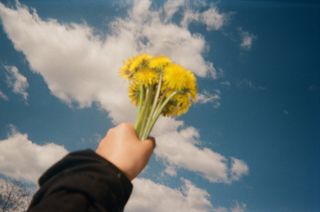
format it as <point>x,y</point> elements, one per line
<point>158,87</point>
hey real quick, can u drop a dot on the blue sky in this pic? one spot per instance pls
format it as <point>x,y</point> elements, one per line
<point>260,101</point>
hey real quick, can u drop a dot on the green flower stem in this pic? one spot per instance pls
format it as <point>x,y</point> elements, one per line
<point>156,115</point>
<point>142,112</point>
<point>150,107</point>
<point>148,114</point>
<point>145,111</point>
<point>137,125</point>
<point>141,105</point>
<point>153,109</point>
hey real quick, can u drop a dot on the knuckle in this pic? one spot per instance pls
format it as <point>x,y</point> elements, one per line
<point>110,131</point>
<point>122,124</point>
<point>125,126</point>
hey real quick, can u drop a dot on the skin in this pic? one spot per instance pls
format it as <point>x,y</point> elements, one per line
<point>122,147</point>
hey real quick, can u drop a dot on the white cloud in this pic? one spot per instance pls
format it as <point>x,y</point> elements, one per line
<point>239,207</point>
<point>82,68</point>
<point>221,209</point>
<point>225,83</point>
<point>3,96</point>
<point>212,18</point>
<point>170,170</point>
<point>177,150</point>
<point>20,158</point>
<point>171,7</point>
<point>246,83</point>
<point>206,97</point>
<point>17,81</point>
<point>285,112</point>
<point>246,39</point>
<point>151,196</point>
<point>238,169</point>
<point>178,145</point>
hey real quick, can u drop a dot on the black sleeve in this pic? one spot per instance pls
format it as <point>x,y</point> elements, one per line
<point>82,181</point>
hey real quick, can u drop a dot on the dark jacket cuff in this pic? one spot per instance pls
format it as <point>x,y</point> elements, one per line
<point>90,174</point>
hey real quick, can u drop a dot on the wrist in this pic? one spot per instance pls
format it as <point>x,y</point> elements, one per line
<point>116,163</point>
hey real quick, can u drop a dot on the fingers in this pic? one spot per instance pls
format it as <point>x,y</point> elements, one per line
<point>127,129</point>
<point>128,126</point>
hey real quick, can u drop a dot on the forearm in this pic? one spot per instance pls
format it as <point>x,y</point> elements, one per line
<point>82,181</point>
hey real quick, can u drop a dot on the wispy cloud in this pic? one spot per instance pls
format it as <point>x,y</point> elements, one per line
<point>225,83</point>
<point>16,81</point>
<point>206,97</point>
<point>246,39</point>
<point>239,207</point>
<point>314,87</point>
<point>246,83</point>
<point>3,96</point>
<point>285,112</point>
<point>238,169</point>
<point>170,170</point>
<point>211,18</point>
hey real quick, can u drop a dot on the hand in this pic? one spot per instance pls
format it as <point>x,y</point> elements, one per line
<point>122,147</point>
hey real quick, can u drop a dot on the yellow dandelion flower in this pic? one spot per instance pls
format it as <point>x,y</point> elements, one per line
<point>146,77</point>
<point>178,105</point>
<point>139,60</point>
<point>159,62</point>
<point>125,70</point>
<point>133,64</point>
<point>169,110</point>
<point>183,103</point>
<point>175,77</point>
<point>133,93</point>
<point>158,87</point>
<point>191,85</point>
